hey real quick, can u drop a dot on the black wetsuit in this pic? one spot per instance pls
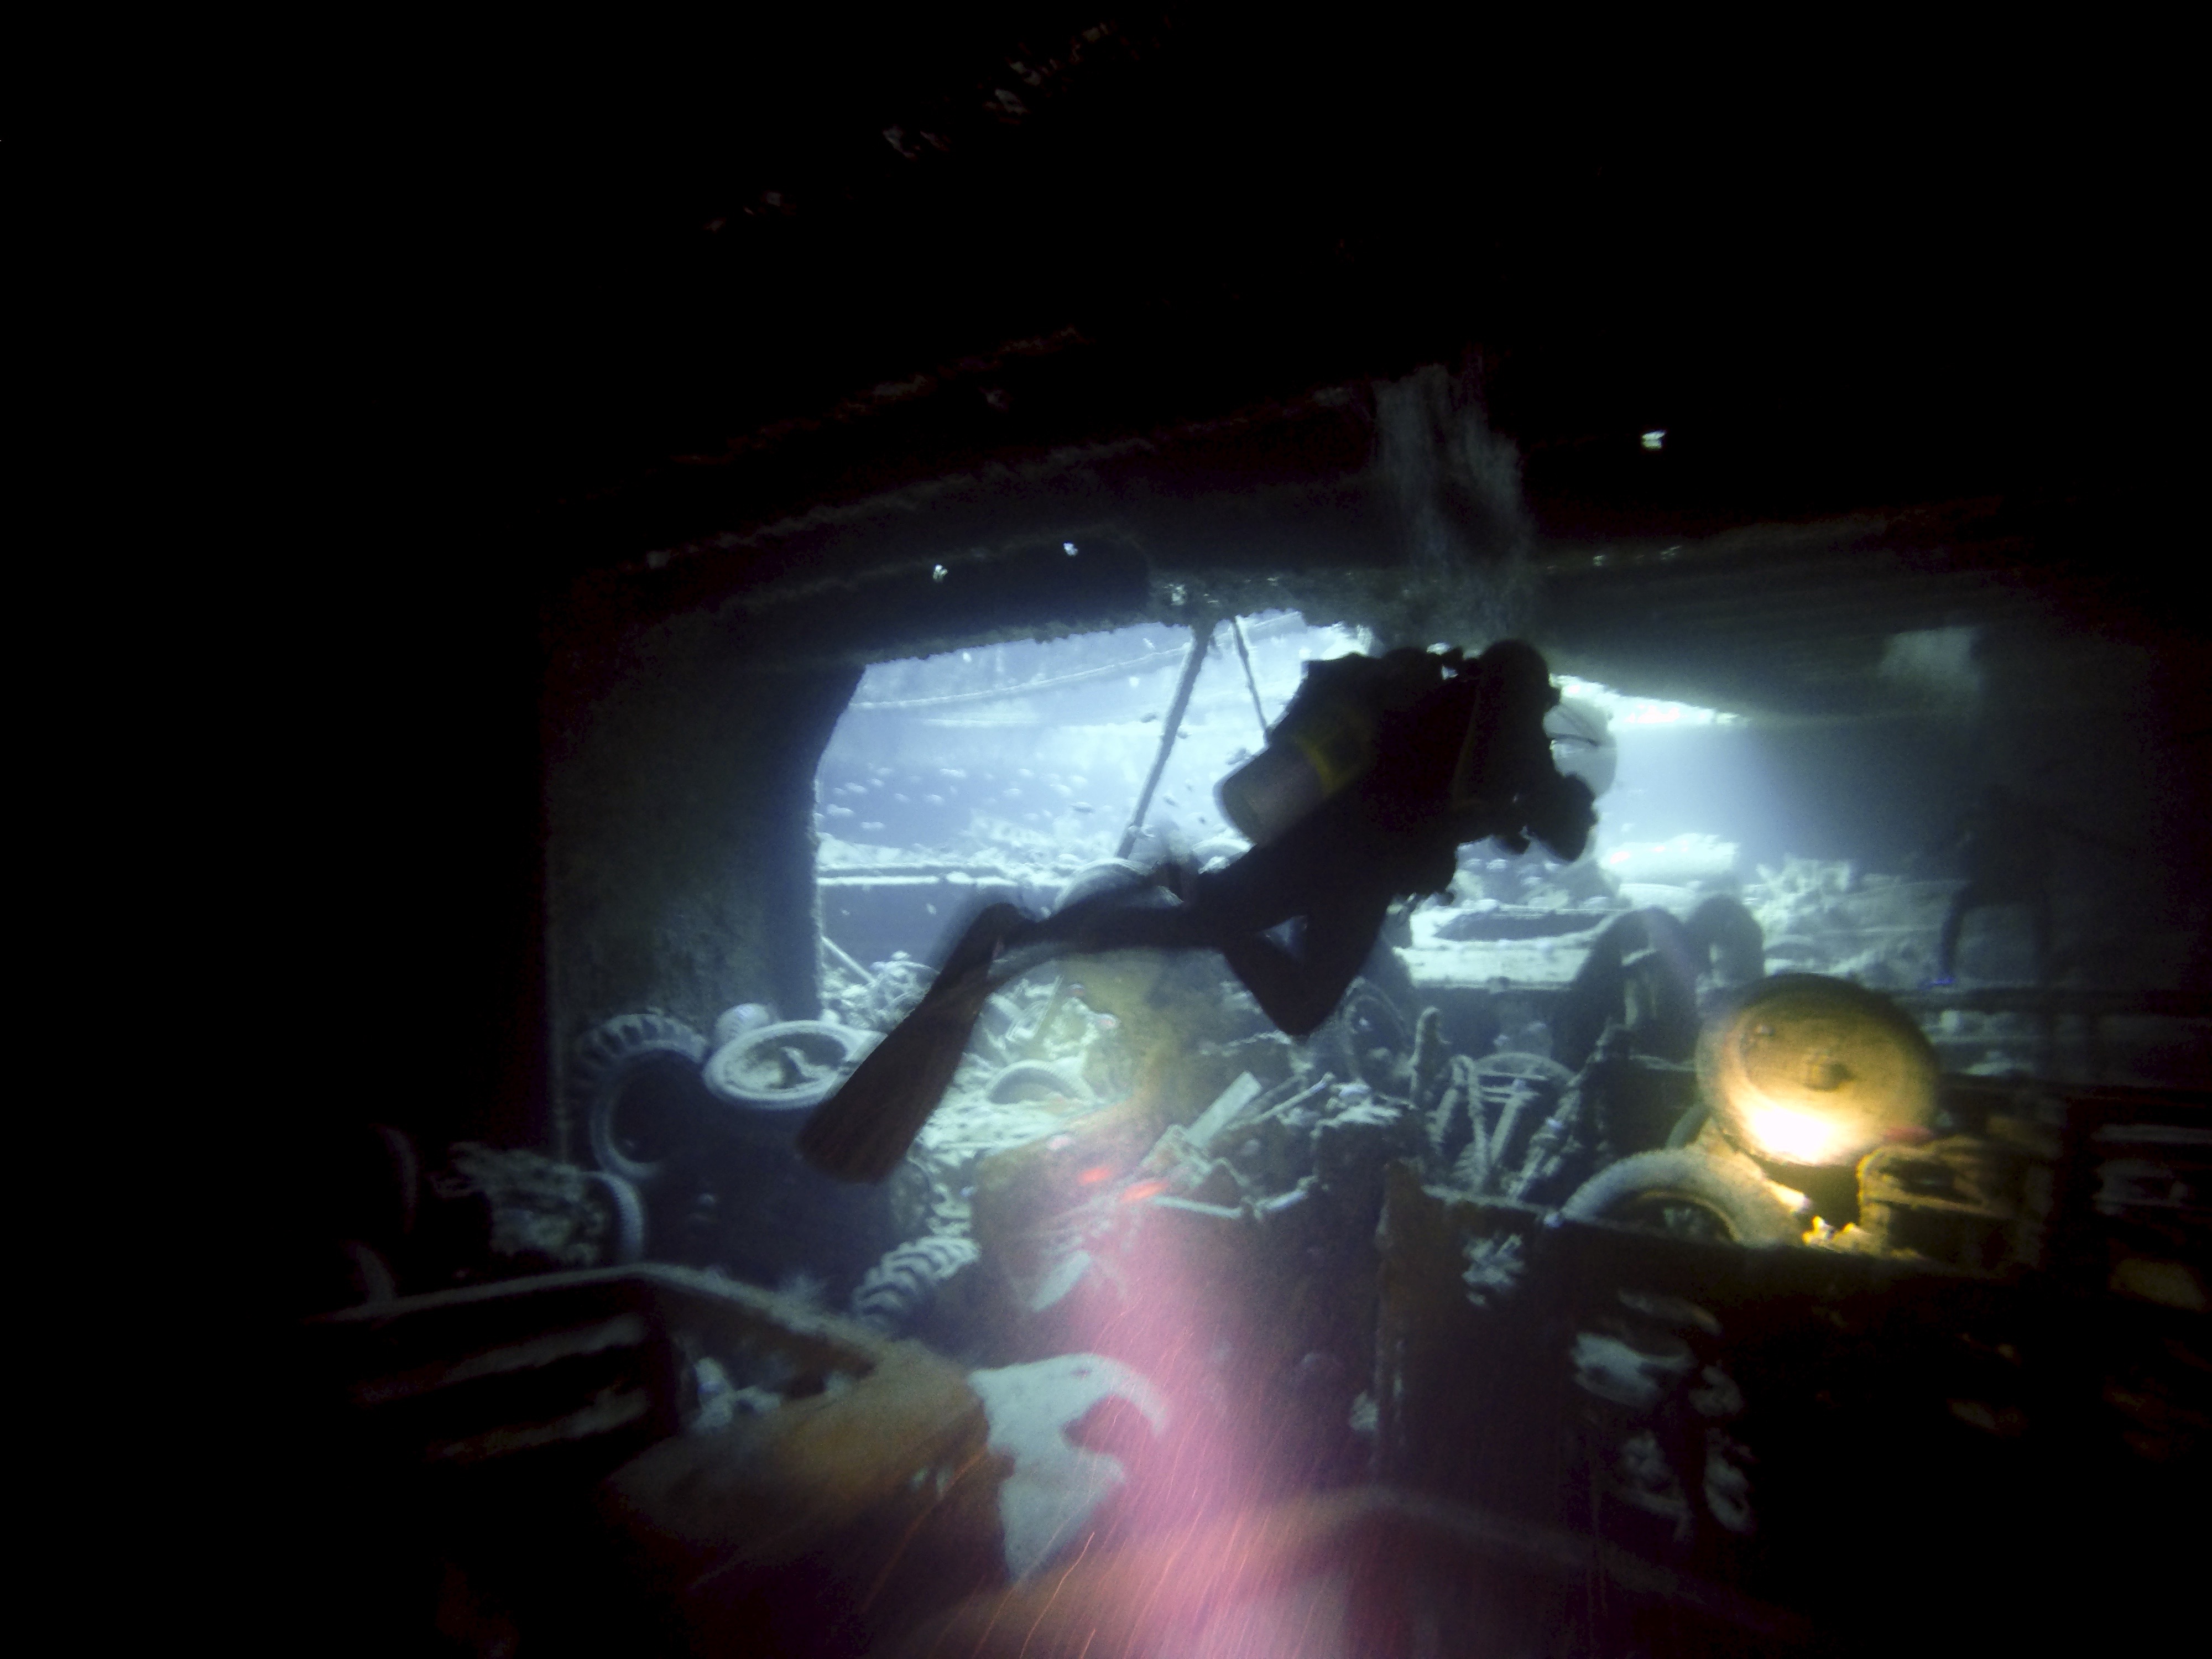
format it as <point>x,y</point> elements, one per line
<point>2005,845</point>
<point>1391,833</point>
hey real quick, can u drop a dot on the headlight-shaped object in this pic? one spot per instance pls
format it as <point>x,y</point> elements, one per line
<point>1812,1070</point>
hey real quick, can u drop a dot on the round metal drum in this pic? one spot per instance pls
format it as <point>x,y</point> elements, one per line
<point>792,1067</point>
<point>1806,1070</point>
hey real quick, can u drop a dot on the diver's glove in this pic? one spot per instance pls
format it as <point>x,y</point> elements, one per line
<point>1560,812</point>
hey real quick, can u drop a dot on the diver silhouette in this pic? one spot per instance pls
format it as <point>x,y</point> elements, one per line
<point>1441,750</point>
<point>1391,833</point>
<point>2003,847</point>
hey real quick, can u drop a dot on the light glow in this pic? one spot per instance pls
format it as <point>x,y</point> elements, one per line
<point>1791,1134</point>
<point>1621,709</point>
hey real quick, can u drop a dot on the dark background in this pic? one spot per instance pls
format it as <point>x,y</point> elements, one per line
<point>526,309</point>
<point>566,306</point>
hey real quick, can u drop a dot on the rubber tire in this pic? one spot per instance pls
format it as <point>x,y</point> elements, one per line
<point>724,1068</point>
<point>1363,1000</point>
<point>625,1210</point>
<point>734,1022</point>
<point>612,1056</point>
<point>1060,1081</point>
<point>898,1292</point>
<point>1730,1189</point>
<point>1340,1047</point>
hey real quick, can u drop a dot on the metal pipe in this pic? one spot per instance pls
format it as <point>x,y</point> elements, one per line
<point>1283,1107</point>
<point>839,958</point>
<point>1251,681</point>
<point>1201,636</point>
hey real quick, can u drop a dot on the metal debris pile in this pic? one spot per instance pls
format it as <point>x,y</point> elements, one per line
<point>1156,1258</point>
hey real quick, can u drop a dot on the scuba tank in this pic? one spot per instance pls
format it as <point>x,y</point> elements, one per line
<point>1294,774</point>
<point>1503,780</point>
<point>1325,741</point>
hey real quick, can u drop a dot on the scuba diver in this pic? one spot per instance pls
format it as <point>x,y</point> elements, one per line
<point>2003,845</point>
<point>1377,771</point>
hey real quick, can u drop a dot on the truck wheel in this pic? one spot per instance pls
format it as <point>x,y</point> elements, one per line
<point>786,1067</point>
<point>635,1089</point>
<point>1035,1079</point>
<point>1689,1194</point>
<point>624,1212</point>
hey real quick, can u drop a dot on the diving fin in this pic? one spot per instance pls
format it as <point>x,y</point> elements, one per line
<point>862,1132</point>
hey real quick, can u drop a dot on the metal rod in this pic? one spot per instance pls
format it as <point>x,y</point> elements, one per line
<point>1244,656</point>
<point>1201,636</point>
<point>1509,1118</point>
<point>1259,630</point>
<point>1022,1035</point>
<point>1283,1107</point>
<point>837,955</point>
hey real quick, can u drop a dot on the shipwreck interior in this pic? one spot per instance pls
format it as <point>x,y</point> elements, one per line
<point>1779,1226</point>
